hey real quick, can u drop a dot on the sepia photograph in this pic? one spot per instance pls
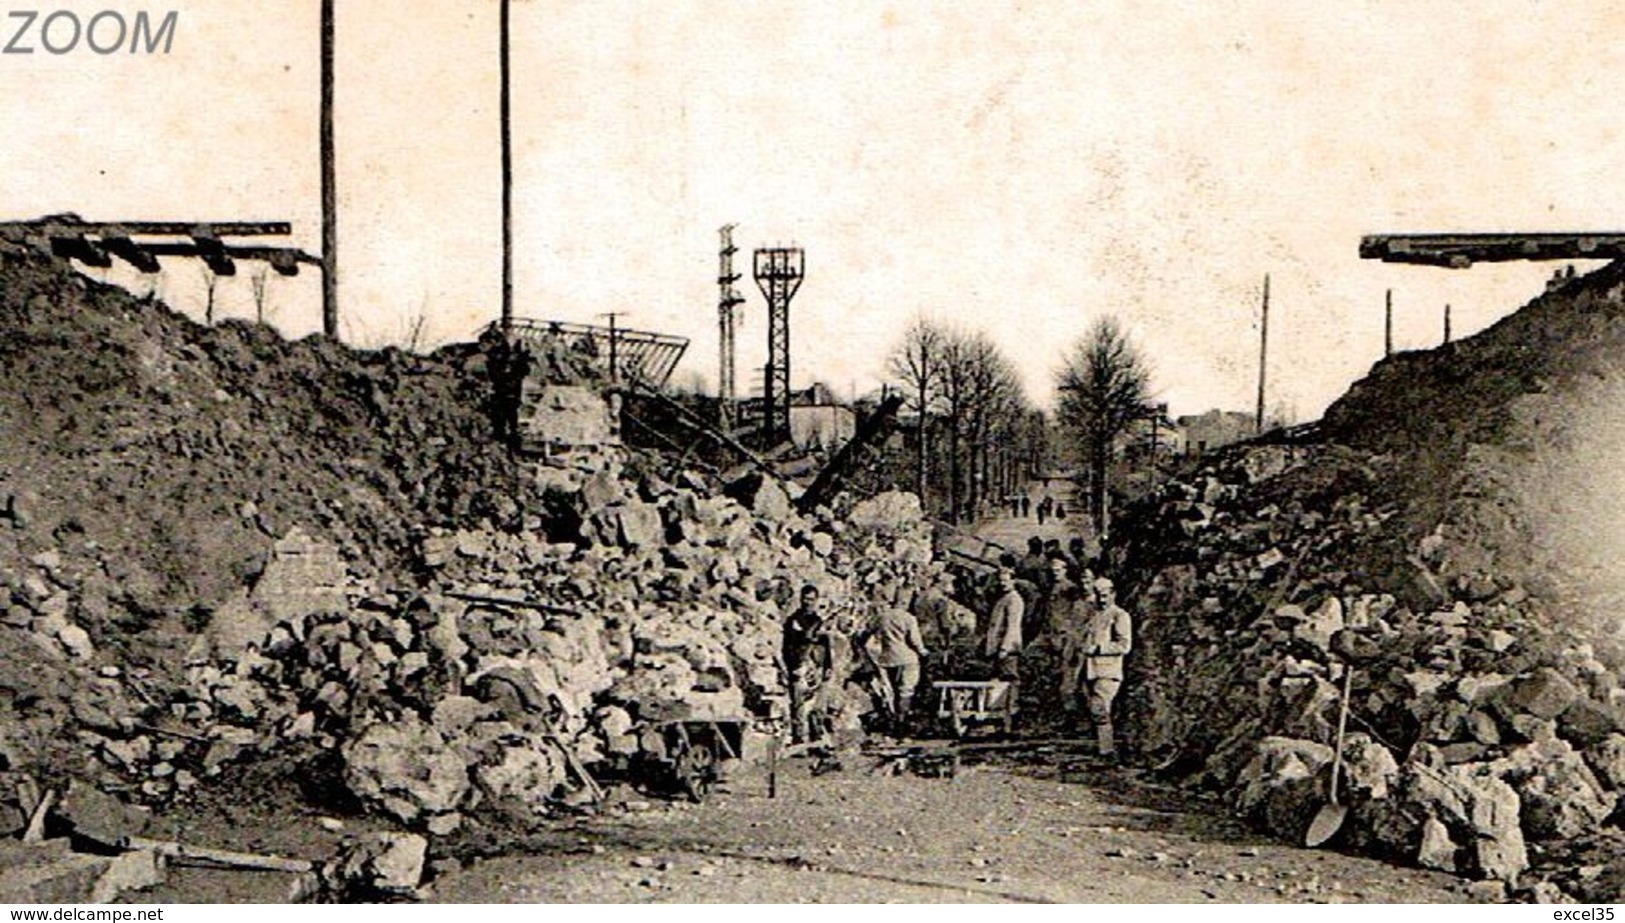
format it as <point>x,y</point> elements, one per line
<point>768,453</point>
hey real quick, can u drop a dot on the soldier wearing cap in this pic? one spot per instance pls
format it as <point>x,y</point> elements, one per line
<point>1107,638</point>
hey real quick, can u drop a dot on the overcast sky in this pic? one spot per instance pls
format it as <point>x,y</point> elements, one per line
<point>1017,167</point>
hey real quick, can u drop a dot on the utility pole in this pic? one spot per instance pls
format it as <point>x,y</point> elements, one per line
<point>506,117</point>
<point>1388,326</point>
<point>728,303</point>
<point>330,221</point>
<point>1263,355</point>
<point>1447,324</point>
<point>614,337</point>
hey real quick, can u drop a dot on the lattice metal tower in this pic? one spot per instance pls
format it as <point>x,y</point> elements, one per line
<point>778,275</point>
<point>728,304</point>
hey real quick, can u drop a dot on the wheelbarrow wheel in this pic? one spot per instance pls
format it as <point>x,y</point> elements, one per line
<point>696,769</point>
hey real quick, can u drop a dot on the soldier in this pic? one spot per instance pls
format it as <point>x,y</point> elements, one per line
<point>1003,642</point>
<point>520,362</point>
<point>805,651</point>
<point>901,649</point>
<point>1108,638</point>
<point>498,362</point>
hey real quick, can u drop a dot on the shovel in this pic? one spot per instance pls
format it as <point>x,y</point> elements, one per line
<point>1329,819</point>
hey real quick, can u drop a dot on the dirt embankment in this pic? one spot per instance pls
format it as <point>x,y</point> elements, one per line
<point>151,461</point>
<point>1447,532</point>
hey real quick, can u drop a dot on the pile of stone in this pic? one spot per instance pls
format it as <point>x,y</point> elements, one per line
<point>520,667</point>
<point>1478,730</point>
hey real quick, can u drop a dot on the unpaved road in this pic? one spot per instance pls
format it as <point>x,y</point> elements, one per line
<point>1056,830</point>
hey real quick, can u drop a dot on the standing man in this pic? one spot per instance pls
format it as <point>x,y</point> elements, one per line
<point>520,364</point>
<point>498,368</point>
<point>805,656</point>
<point>1003,643</point>
<point>1108,638</point>
<point>900,651</point>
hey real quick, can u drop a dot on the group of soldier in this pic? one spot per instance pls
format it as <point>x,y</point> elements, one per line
<point>1045,612</point>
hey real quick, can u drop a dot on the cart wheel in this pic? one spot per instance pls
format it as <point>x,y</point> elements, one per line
<point>696,769</point>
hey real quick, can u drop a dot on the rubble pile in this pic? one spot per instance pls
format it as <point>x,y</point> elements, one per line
<point>152,461</point>
<point>517,669</point>
<point>529,664</point>
<point>1486,714</point>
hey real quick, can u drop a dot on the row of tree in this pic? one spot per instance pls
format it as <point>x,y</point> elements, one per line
<point>976,436</point>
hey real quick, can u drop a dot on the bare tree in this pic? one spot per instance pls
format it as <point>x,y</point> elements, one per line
<point>917,364</point>
<point>258,286</point>
<point>1104,386</point>
<point>975,376</point>
<point>993,389</point>
<point>211,280</point>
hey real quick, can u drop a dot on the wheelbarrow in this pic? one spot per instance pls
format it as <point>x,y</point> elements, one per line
<point>964,705</point>
<point>686,756</point>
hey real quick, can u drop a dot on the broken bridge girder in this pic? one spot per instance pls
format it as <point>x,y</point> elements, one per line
<point>829,481</point>
<point>127,250</point>
<point>1461,251</point>
<point>213,254</point>
<point>78,248</point>
<point>96,243</point>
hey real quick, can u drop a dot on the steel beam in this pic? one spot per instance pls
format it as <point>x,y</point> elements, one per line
<point>1461,251</point>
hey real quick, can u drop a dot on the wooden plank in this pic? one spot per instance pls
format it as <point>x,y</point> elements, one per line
<point>182,853</point>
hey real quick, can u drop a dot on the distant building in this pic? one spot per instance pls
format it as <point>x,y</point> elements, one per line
<point>1215,429</point>
<point>818,420</point>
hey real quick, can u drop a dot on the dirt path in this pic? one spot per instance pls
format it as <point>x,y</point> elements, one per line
<point>1059,830</point>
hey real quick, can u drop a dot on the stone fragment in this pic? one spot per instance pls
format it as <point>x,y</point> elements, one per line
<point>1488,892</point>
<point>99,816</point>
<point>1437,850</point>
<point>137,870</point>
<point>1560,796</point>
<point>378,865</point>
<point>77,641</point>
<point>1279,787</point>
<point>1545,694</point>
<point>406,769</point>
<point>1588,723</point>
<point>48,873</point>
<point>1607,761</point>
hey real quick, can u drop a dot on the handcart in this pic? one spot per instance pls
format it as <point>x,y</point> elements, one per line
<point>965,705</point>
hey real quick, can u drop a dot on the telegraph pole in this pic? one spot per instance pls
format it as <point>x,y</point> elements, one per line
<point>1263,355</point>
<point>330,221</point>
<point>614,345</point>
<point>506,117</point>
<point>1388,326</point>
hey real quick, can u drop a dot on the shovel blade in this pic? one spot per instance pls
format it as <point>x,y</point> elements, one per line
<point>1328,820</point>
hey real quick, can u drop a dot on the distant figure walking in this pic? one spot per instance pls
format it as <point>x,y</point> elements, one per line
<point>1044,507</point>
<point>1026,506</point>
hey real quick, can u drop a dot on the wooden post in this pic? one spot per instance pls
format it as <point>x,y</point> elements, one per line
<point>1388,326</point>
<point>507,171</point>
<point>330,229</point>
<point>1447,324</point>
<point>1263,355</point>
